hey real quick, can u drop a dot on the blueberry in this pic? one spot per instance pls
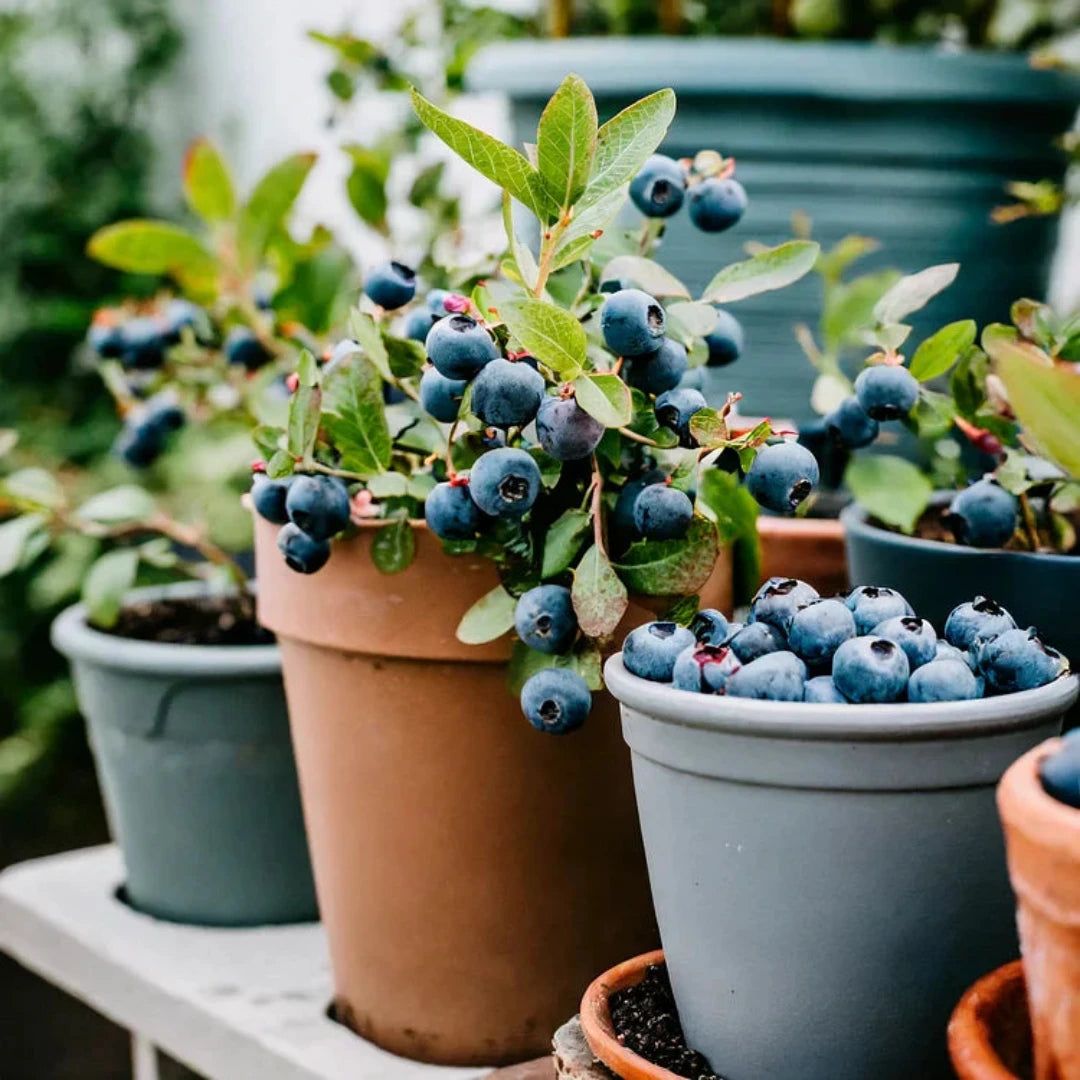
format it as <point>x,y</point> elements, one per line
<point>651,650</point>
<point>716,204</point>
<point>726,340</point>
<point>566,431</point>
<point>694,379</point>
<point>632,323</point>
<point>544,619</point>
<point>943,680</point>
<point>979,618</point>
<point>983,515</point>
<point>873,604</point>
<point>675,408</point>
<point>621,522</point>
<point>887,391</point>
<point>450,511</point>
<point>850,426</point>
<point>945,651</point>
<point>318,504</point>
<point>869,669</point>
<point>459,346</point>
<point>435,302</point>
<point>782,476</point>
<point>710,627</point>
<point>556,700</point>
<point>440,396</point>
<point>778,599</point>
<point>179,314</point>
<point>504,482</point>
<point>243,347</point>
<point>659,371</point>
<point>822,690</point>
<point>1059,772</point>
<point>390,285</point>
<point>755,640</point>
<point>915,636</point>
<point>507,394</point>
<point>106,338</point>
<point>418,324</point>
<point>704,669</point>
<point>662,512</point>
<point>143,344</point>
<point>615,284</point>
<point>778,676</point>
<point>1018,660</point>
<point>268,497</point>
<point>144,435</point>
<point>817,630</point>
<point>303,553</point>
<point>659,189</point>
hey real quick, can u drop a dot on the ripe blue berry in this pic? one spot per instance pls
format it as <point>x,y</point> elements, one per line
<point>440,396</point>
<point>778,676</point>
<point>675,408</point>
<point>179,314</point>
<point>504,482</point>
<point>303,553</point>
<point>632,323</point>
<point>145,433</point>
<point>507,394</point>
<point>106,338</point>
<point>870,669</point>
<point>704,669</point>
<point>418,324</point>
<point>943,680</point>
<point>1060,772</point>
<point>915,636</point>
<point>945,651</point>
<point>243,347</point>
<point>556,700</point>
<point>566,431</point>
<point>143,343</point>
<point>822,690</point>
<point>710,627</point>
<point>459,346</point>
<point>782,476</point>
<point>726,340</point>
<point>318,504</point>
<point>887,391</point>
<point>450,512</point>
<point>268,497</point>
<point>659,189</point>
<point>660,371</point>
<point>391,285</point>
<point>979,618</point>
<point>983,515</point>
<point>544,619</point>
<point>662,512</point>
<point>435,302</point>
<point>754,640</point>
<point>849,425</point>
<point>817,630</point>
<point>694,379</point>
<point>716,204</point>
<point>621,523</point>
<point>777,601</point>
<point>873,604</point>
<point>650,651</point>
<point>1018,660</point>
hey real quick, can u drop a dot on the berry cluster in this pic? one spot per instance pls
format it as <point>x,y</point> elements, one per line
<point>886,391</point>
<point>715,199</point>
<point>310,508</point>
<point>863,648</point>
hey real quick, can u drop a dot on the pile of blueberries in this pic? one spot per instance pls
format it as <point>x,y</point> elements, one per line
<point>310,508</point>
<point>867,647</point>
<point>1060,771</point>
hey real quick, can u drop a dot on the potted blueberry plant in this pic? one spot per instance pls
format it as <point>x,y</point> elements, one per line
<point>541,477</point>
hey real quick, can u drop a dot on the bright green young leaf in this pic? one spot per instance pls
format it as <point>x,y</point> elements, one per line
<point>605,398</point>
<point>207,186</point>
<point>34,487</point>
<point>708,428</point>
<point>566,140</point>
<point>304,408</point>
<point>672,567</point>
<point>772,269</point>
<point>280,464</point>
<point>366,184</point>
<point>563,541</point>
<point>307,370</point>
<point>933,414</point>
<point>489,618</point>
<point>393,547</point>
<point>106,584</point>
<point>366,334</point>
<point>645,274</point>
<point>849,307</point>
<point>128,502</point>
<point>549,333</point>
<point>937,354</point>
<point>892,489</point>
<point>15,536</point>
<point>355,418</point>
<point>689,321</point>
<point>268,439</point>
<point>141,246</point>
<point>728,503</point>
<point>914,292</point>
<point>599,597</point>
<point>269,205</point>
<point>594,218</point>
<point>526,662</point>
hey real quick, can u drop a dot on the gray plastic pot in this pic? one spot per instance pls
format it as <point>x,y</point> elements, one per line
<point>192,749</point>
<point>828,880</point>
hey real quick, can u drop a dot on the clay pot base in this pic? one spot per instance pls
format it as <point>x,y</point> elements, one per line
<point>990,1031</point>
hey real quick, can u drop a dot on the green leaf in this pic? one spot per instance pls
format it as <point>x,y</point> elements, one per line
<point>524,260</point>
<point>568,254</point>
<point>34,487</point>
<point>141,246</point>
<point>355,417</point>
<point>600,598</point>
<point>689,321</point>
<point>526,662</point>
<point>366,334</point>
<point>304,408</point>
<point>769,270</point>
<point>828,391</point>
<point>683,610</point>
<point>393,547</point>
<point>307,370</point>
<point>939,352</point>
<point>280,464</point>
<point>128,502</point>
<point>207,186</point>
<point>563,541</point>
<point>647,275</point>
<point>15,537</point>
<point>107,582</point>
<point>501,164</point>
<point>552,335</point>
<point>268,439</point>
<point>731,507</point>
<point>605,398</point>
<point>405,357</point>
<point>388,485</point>
<point>366,184</point>
<point>488,619</point>
<point>587,221</point>
<point>672,567</point>
<point>933,415</point>
<point>708,428</point>
<point>967,384</point>
<point>269,205</point>
<point>913,292</point>
<point>566,140</point>
<point>627,141</point>
<point>849,307</point>
<point>892,489</point>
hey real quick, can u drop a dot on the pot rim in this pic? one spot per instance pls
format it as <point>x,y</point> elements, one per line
<point>813,721</point>
<point>1024,805</point>
<point>73,636</point>
<point>599,1030</point>
<point>970,1046</point>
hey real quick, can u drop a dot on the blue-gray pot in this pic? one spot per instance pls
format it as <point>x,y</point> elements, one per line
<point>192,748</point>
<point>912,146</point>
<point>828,880</point>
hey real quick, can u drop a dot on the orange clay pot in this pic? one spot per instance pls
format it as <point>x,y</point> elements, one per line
<point>811,549</point>
<point>990,1033</point>
<point>472,873</point>
<point>1042,840</point>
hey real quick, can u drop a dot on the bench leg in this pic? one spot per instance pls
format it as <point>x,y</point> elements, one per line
<point>144,1061</point>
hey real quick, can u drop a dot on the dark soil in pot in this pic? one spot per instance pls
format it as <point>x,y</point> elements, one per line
<point>198,620</point>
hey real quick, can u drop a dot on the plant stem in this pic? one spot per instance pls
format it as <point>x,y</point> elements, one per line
<point>1027,516</point>
<point>598,506</point>
<point>548,244</point>
<point>329,470</point>
<point>633,436</point>
<point>450,448</point>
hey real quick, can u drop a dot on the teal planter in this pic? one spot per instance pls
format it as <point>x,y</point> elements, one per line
<point>908,145</point>
<point>192,749</point>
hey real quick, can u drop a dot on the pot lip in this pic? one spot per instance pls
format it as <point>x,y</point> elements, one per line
<point>969,1033</point>
<point>812,528</point>
<point>760,66</point>
<point>1025,806</point>
<point>72,635</point>
<point>599,1031</point>
<point>856,522</point>
<point>816,722</point>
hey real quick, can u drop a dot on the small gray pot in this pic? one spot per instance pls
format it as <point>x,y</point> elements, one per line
<point>192,749</point>
<point>828,880</point>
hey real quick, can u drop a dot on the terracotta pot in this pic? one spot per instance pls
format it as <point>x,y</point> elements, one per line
<point>811,549</point>
<point>990,1033</point>
<point>1042,840</point>
<point>472,873</point>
